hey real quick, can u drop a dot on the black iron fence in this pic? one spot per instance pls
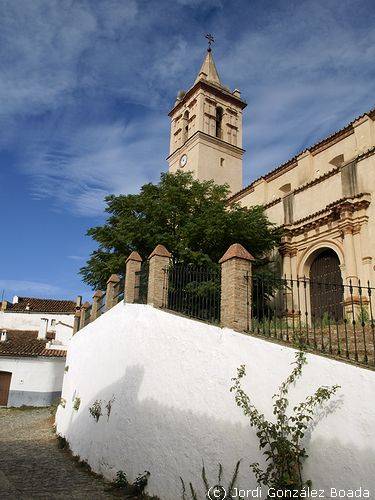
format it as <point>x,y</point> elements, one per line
<point>87,315</point>
<point>120,291</point>
<point>193,291</point>
<point>141,284</point>
<point>102,306</point>
<point>331,318</point>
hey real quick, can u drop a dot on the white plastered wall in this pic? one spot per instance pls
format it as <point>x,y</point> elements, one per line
<point>35,381</point>
<point>169,378</point>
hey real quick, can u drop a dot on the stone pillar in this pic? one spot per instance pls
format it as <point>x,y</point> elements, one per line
<point>82,319</point>
<point>350,260</point>
<point>4,305</point>
<point>351,300</point>
<point>366,257</point>
<point>236,288</point>
<point>287,265</point>
<point>159,261</point>
<point>77,314</point>
<point>112,291</point>
<point>96,302</point>
<point>287,274</point>
<point>133,265</point>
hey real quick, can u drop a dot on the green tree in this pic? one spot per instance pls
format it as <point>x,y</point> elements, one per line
<point>191,218</point>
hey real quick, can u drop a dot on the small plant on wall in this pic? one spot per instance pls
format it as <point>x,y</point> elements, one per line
<point>76,403</point>
<point>108,406</point>
<point>135,489</point>
<point>96,409</point>
<point>214,489</point>
<point>62,402</point>
<point>281,440</point>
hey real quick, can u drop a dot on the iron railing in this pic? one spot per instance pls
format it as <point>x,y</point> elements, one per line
<point>87,315</point>
<point>330,318</point>
<point>102,305</point>
<point>141,284</point>
<point>193,291</point>
<point>120,291</point>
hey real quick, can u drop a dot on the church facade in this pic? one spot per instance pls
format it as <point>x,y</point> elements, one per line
<point>322,197</point>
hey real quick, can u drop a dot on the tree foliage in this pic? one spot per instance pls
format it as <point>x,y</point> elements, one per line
<point>191,218</point>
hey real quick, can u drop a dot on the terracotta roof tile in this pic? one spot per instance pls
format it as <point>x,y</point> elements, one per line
<point>43,305</point>
<point>26,343</point>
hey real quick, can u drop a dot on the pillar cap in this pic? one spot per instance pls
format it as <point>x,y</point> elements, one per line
<point>86,305</point>
<point>134,256</point>
<point>98,293</point>
<point>160,251</point>
<point>114,278</point>
<point>236,251</point>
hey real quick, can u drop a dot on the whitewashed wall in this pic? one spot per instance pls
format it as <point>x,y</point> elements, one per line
<point>170,378</point>
<point>35,381</point>
<point>31,321</point>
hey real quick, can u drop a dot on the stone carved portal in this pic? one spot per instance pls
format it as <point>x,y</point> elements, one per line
<point>326,286</point>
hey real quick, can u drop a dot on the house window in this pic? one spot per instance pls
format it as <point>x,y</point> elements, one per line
<point>219,119</point>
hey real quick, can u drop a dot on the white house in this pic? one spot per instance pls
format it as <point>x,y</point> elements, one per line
<point>34,334</point>
<point>26,313</point>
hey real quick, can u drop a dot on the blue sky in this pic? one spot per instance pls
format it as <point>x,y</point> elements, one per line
<point>86,85</point>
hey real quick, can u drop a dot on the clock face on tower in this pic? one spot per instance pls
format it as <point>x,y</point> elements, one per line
<point>183,160</point>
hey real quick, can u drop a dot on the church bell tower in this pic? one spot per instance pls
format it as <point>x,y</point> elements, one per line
<point>206,129</point>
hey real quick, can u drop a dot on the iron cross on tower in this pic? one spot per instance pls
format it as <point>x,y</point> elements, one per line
<point>211,40</point>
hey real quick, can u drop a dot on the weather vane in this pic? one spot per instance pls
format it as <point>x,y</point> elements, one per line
<point>211,40</point>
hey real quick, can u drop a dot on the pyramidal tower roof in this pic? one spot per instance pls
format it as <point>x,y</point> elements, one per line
<point>208,70</point>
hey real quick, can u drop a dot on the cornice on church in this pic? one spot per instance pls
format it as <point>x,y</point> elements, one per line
<point>314,150</point>
<point>209,138</point>
<point>338,210</point>
<point>216,90</point>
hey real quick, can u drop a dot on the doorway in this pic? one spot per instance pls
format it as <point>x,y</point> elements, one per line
<point>5,378</point>
<point>326,288</point>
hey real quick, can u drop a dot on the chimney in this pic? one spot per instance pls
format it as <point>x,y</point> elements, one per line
<point>78,302</point>
<point>15,299</point>
<point>42,333</point>
<point>3,336</point>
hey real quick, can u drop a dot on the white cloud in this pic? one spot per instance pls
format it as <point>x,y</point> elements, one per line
<point>96,161</point>
<point>33,288</point>
<point>304,70</point>
<point>305,73</point>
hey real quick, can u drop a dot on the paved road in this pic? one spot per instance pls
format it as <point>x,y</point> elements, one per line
<point>31,465</point>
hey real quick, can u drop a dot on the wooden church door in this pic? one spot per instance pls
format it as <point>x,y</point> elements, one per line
<point>326,290</point>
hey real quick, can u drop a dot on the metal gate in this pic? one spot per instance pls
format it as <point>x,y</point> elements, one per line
<point>326,287</point>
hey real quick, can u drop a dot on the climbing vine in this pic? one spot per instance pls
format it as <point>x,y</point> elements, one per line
<point>281,440</point>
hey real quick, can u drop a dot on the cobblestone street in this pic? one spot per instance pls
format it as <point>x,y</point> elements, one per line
<point>32,466</point>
